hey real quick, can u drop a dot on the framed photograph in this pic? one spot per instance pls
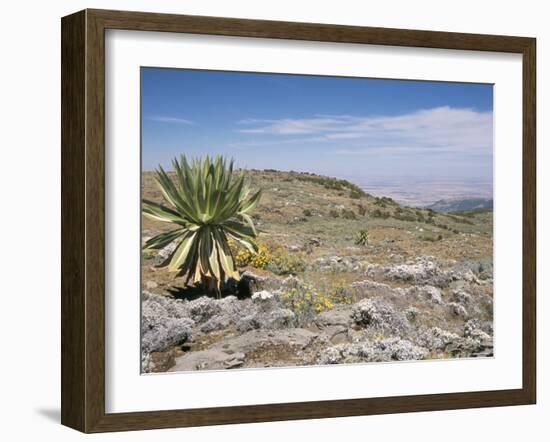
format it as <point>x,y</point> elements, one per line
<point>266,221</point>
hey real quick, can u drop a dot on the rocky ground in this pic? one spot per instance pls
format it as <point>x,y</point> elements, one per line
<point>442,310</point>
<point>421,288</point>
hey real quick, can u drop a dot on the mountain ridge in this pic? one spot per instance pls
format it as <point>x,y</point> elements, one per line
<point>461,204</point>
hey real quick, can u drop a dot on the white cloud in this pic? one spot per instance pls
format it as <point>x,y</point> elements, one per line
<point>441,129</point>
<point>275,142</point>
<point>289,126</point>
<point>174,120</point>
<point>393,150</point>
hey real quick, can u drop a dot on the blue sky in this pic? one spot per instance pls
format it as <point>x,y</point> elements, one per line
<point>346,127</point>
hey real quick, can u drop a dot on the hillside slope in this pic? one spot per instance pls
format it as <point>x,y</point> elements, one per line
<point>420,287</point>
<point>297,209</point>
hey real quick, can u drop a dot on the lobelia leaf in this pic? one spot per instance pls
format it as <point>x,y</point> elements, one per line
<point>162,240</point>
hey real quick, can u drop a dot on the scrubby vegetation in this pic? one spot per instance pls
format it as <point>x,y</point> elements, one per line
<point>274,258</point>
<point>327,182</point>
<point>325,253</point>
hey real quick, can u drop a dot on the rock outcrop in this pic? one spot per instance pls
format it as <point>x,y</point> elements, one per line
<point>401,311</point>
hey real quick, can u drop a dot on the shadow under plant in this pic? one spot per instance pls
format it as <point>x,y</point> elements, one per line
<point>334,275</point>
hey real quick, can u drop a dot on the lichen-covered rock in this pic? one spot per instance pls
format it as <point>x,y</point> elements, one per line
<point>424,270</point>
<point>164,253</point>
<point>475,343</point>
<point>275,318</point>
<point>470,347</point>
<point>339,264</point>
<point>217,314</point>
<point>462,297</point>
<point>159,334</point>
<point>481,337</point>
<point>401,350</point>
<point>266,300</point>
<point>146,365</point>
<point>472,329</point>
<point>436,338</point>
<point>458,310</point>
<point>470,326</point>
<point>467,275</point>
<point>332,355</point>
<point>203,308</point>
<point>366,312</point>
<point>392,349</point>
<point>264,296</point>
<point>380,314</point>
<point>151,302</point>
<point>263,311</point>
<point>164,323</point>
<point>427,292</point>
<point>216,323</point>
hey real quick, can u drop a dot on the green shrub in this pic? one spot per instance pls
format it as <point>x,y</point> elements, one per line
<point>380,214</point>
<point>459,219</point>
<point>401,216</point>
<point>348,214</point>
<point>362,237</point>
<point>282,262</point>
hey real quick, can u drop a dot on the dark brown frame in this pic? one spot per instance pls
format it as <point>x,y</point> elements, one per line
<point>83,216</point>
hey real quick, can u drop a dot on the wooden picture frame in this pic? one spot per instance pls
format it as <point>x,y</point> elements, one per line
<point>83,220</point>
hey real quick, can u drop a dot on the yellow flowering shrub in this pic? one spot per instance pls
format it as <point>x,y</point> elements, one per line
<point>274,258</point>
<point>262,257</point>
<point>259,260</point>
<point>242,257</point>
<point>306,302</point>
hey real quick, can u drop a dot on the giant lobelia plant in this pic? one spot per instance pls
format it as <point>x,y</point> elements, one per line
<point>208,203</point>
